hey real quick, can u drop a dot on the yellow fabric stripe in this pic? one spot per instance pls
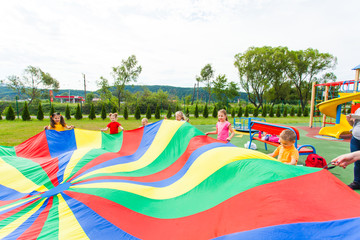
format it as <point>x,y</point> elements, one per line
<point>15,224</point>
<point>69,227</point>
<point>87,138</point>
<point>204,166</point>
<point>10,205</point>
<point>75,158</point>
<point>164,135</point>
<point>11,177</point>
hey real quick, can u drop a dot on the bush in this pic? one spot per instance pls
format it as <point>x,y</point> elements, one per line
<point>137,112</point>
<point>292,111</point>
<point>215,114</point>
<point>157,112</point>
<point>196,111</point>
<point>148,112</point>
<point>114,109</point>
<point>299,112</point>
<point>169,113</point>
<point>0,116</point>
<point>187,113</point>
<point>40,113</point>
<point>206,111</point>
<point>25,113</point>
<point>52,110</point>
<point>233,113</point>
<point>126,114</point>
<point>103,112</point>
<point>264,111</point>
<point>271,113</point>
<point>78,114</point>
<point>306,112</point>
<point>10,114</point>
<point>246,113</point>
<point>285,113</point>
<point>240,112</point>
<point>92,112</point>
<point>177,108</point>
<point>278,112</point>
<point>256,112</point>
<point>67,112</point>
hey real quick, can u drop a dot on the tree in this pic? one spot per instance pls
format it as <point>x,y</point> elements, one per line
<point>10,114</point>
<point>278,112</point>
<point>196,111</point>
<point>285,113</point>
<point>89,97</point>
<point>92,112</point>
<point>305,68</point>
<point>306,112</point>
<point>0,116</point>
<point>256,112</point>
<point>148,112</point>
<point>176,108</point>
<point>32,83</point>
<point>105,93</point>
<point>224,90</point>
<point>292,111</point>
<point>157,112</point>
<point>103,112</point>
<point>126,114</point>
<point>206,75</point>
<point>246,113</point>
<point>233,113</point>
<point>169,113</point>
<point>52,110</point>
<point>240,112</point>
<point>215,112</point>
<point>271,113</point>
<point>187,112</point>
<point>206,111</point>
<point>78,114</point>
<point>67,112</point>
<point>299,112</point>
<point>114,109</point>
<point>264,111</point>
<point>127,72</point>
<point>137,113</point>
<point>40,113</point>
<point>25,113</point>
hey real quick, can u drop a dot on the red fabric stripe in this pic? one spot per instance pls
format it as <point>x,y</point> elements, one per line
<point>12,212</point>
<point>34,148</point>
<point>51,167</point>
<point>289,201</point>
<point>35,229</point>
<point>195,143</point>
<point>131,142</point>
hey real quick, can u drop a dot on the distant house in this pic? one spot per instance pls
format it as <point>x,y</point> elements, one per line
<point>71,99</point>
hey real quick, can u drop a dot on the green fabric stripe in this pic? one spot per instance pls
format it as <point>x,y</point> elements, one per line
<point>85,159</point>
<point>19,214</point>
<point>111,142</point>
<point>30,170</point>
<point>227,182</point>
<point>171,153</point>
<point>7,151</point>
<point>50,229</point>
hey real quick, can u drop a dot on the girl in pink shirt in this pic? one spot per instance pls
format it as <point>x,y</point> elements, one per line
<point>223,127</point>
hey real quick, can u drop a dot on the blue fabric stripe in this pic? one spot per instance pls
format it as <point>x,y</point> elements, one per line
<point>63,162</point>
<point>25,225</point>
<point>148,136</point>
<point>18,205</point>
<point>7,194</point>
<point>338,229</point>
<point>60,142</point>
<point>90,222</point>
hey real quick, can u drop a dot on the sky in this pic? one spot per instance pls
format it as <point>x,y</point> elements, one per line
<point>172,40</point>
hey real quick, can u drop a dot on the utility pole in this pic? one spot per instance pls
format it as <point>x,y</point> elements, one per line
<point>84,85</point>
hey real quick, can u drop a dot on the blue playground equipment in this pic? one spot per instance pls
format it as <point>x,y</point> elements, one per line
<point>243,124</point>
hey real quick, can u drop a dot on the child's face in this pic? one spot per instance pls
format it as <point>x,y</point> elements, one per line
<point>144,122</point>
<point>221,117</point>
<point>113,118</point>
<point>178,117</point>
<point>56,118</point>
<point>286,144</point>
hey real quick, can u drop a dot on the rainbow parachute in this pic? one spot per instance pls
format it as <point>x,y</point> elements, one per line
<point>164,181</point>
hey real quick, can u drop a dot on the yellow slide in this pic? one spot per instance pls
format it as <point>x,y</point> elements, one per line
<point>329,109</point>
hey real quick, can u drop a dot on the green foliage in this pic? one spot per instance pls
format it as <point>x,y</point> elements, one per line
<point>92,112</point>
<point>10,114</point>
<point>187,113</point>
<point>264,111</point>
<point>233,112</point>
<point>285,113</point>
<point>148,112</point>
<point>0,116</point>
<point>114,109</point>
<point>157,112</point>
<point>169,113</point>
<point>215,114</point>
<point>256,112</point>
<point>52,110</point>
<point>299,112</point>
<point>246,113</point>
<point>271,113</point>
<point>278,111</point>
<point>306,112</point>
<point>196,111</point>
<point>40,113</point>
<point>176,108</point>
<point>240,112</point>
<point>206,111</point>
<point>292,111</point>
<point>67,112</point>
<point>103,112</point>
<point>137,113</point>
<point>78,113</point>
<point>126,114</point>
<point>25,113</point>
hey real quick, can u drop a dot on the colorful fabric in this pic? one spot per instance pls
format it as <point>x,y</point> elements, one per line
<point>223,130</point>
<point>164,181</point>
<point>114,127</point>
<point>286,154</point>
<point>57,127</point>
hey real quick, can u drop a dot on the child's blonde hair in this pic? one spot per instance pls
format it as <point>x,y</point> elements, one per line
<point>223,111</point>
<point>115,114</point>
<point>181,114</point>
<point>288,135</point>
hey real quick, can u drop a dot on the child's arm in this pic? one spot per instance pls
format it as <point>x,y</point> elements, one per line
<point>293,161</point>
<point>122,129</point>
<point>275,153</point>
<point>232,133</point>
<point>70,127</point>
<point>213,132</point>
<point>104,129</point>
